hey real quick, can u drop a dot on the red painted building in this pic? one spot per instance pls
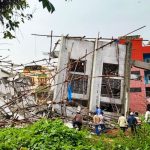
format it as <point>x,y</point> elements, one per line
<point>139,87</point>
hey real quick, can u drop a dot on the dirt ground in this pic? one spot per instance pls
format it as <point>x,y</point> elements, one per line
<point>117,131</point>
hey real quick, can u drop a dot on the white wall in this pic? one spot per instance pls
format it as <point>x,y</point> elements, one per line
<point>61,71</point>
<point>107,54</point>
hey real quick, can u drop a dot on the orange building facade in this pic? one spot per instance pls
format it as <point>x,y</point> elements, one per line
<point>39,76</point>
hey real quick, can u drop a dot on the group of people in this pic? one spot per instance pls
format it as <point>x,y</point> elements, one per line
<point>98,120</point>
<point>133,121</point>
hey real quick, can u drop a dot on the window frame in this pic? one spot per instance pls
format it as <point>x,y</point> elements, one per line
<point>75,84</point>
<point>76,64</point>
<point>138,89</point>
<point>113,71</point>
<point>148,78</point>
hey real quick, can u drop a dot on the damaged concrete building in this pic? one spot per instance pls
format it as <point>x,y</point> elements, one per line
<point>17,95</point>
<point>13,95</point>
<point>97,71</point>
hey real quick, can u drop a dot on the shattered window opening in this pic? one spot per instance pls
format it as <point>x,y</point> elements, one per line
<point>147,89</point>
<point>136,89</point>
<point>110,107</point>
<point>110,69</point>
<point>79,83</point>
<point>77,65</point>
<point>111,88</point>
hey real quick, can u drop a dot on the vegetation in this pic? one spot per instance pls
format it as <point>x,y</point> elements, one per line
<point>53,135</point>
<point>127,141</point>
<point>43,135</point>
<point>12,14</point>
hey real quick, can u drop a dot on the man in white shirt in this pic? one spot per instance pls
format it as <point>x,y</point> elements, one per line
<point>96,121</point>
<point>102,124</point>
<point>147,116</point>
<point>122,121</point>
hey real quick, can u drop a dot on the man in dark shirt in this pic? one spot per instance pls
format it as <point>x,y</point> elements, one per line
<point>78,120</point>
<point>132,122</point>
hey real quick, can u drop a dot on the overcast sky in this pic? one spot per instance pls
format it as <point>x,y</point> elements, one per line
<point>76,18</point>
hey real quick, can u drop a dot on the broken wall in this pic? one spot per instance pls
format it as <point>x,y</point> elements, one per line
<point>112,54</point>
<point>72,50</point>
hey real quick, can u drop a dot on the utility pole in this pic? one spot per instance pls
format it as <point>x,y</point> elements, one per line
<point>127,72</point>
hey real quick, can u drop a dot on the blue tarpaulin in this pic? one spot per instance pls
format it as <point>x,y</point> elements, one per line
<point>69,93</point>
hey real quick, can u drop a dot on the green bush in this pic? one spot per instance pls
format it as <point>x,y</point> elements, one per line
<point>53,135</point>
<point>44,135</point>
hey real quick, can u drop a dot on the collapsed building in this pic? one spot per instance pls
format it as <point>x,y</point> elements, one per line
<point>94,72</point>
<point>97,72</point>
<point>17,96</point>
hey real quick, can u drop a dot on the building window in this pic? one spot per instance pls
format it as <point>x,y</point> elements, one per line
<point>135,72</point>
<point>77,65</point>
<point>135,75</point>
<point>111,88</point>
<point>32,81</point>
<point>147,60</point>
<point>33,68</point>
<point>146,57</point>
<point>42,81</point>
<point>79,83</point>
<point>147,89</point>
<point>110,69</point>
<point>148,78</point>
<point>135,89</point>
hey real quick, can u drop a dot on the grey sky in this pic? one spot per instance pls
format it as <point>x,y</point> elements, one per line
<point>77,17</point>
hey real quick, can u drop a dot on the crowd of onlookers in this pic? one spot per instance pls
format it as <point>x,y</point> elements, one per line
<point>98,120</point>
<point>132,121</point>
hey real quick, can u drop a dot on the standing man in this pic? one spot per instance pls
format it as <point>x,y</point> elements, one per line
<point>138,119</point>
<point>96,121</point>
<point>49,108</point>
<point>102,124</point>
<point>147,116</point>
<point>122,121</point>
<point>78,120</point>
<point>132,122</point>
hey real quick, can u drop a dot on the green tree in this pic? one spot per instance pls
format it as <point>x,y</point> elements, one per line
<point>12,14</point>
